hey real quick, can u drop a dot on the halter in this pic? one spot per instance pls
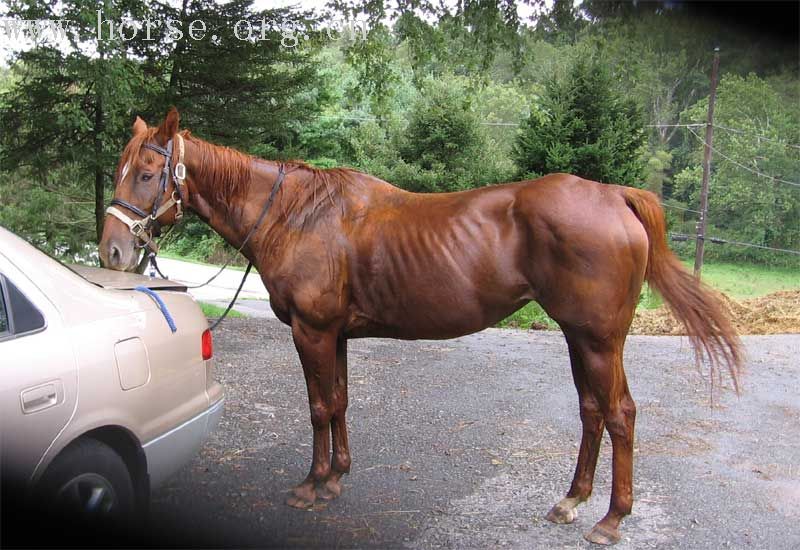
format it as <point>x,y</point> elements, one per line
<point>146,228</point>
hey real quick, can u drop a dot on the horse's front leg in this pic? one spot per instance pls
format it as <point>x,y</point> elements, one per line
<point>332,487</point>
<point>317,350</point>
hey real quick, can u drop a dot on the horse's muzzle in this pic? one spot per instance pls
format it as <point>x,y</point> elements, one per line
<point>118,256</point>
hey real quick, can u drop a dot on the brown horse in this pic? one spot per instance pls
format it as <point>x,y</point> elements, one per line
<point>346,255</point>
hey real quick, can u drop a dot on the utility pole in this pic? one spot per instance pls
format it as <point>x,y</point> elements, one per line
<point>700,242</point>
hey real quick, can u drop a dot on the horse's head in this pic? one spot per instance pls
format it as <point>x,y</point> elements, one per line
<point>148,194</point>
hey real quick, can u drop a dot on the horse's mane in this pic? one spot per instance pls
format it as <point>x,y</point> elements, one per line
<point>317,188</point>
<point>231,172</point>
<point>229,169</point>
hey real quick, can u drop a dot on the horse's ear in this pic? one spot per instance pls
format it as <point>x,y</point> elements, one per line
<point>139,126</point>
<point>169,127</point>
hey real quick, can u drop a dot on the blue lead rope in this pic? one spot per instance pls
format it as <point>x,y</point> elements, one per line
<point>161,305</point>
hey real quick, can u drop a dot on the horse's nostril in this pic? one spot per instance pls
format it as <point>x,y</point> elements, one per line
<point>115,256</point>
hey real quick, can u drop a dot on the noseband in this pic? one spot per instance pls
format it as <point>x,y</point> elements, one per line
<point>146,228</point>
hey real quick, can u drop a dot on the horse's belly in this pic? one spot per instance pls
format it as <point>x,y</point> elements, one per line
<point>441,273</point>
<point>437,306</point>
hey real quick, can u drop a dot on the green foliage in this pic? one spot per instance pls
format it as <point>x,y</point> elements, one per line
<point>443,147</point>
<point>744,206</point>
<point>561,24</point>
<point>261,81</point>
<point>66,111</point>
<point>442,129</point>
<point>588,127</point>
<point>657,170</point>
<point>197,242</point>
<point>669,71</point>
<point>498,106</point>
<point>429,102</point>
<point>373,59</point>
<point>54,212</point>
<point>529,316</point>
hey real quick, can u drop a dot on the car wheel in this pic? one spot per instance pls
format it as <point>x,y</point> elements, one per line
<point>91,481</point>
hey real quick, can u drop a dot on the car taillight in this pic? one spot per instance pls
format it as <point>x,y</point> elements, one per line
<point>207,345</point>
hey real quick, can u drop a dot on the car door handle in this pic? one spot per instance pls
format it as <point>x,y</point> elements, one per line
<point>41,397</point>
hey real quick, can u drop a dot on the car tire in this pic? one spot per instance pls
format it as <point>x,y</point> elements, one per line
<point>90,482</point>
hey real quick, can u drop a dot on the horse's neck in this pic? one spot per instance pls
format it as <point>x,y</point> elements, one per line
<point>233,214</point>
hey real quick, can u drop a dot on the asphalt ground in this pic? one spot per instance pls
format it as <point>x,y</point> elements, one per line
<point>467,443</point>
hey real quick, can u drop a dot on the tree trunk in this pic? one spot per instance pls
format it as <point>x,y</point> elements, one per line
<point>99,177</point>
<point>173,76</point>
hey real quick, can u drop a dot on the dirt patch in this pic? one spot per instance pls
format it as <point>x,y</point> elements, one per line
<point>776,313</point>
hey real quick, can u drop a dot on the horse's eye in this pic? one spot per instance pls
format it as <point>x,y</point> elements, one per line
<point>147,177</point>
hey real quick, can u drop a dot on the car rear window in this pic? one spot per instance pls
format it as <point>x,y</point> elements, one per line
<point>3,314</point>
<point>18,313</point>
<point>26,317</point>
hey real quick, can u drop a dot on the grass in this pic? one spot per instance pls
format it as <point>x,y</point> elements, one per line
<point>523,318</point>
<point>211,310</point>
<point>739,281</point>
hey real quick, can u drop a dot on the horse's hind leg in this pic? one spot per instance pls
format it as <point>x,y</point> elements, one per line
<point>593,422</point>
<point>317,350</point>
<point>332,488</point>
<point>604,378</point>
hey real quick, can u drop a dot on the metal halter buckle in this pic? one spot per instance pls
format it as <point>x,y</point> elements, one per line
<point>176,196</point>
<point>137,228</point>
<point>180,172</point>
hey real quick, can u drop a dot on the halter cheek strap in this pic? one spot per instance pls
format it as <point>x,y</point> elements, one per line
<point>141,229</point>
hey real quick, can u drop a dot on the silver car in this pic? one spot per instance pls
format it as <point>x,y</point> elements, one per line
<point>100,400</point>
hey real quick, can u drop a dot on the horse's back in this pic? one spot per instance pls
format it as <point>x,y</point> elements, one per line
<point>442,265</point>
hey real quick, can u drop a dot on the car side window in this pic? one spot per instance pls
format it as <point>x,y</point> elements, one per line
<point>4,328</point>
<point>18,315</point>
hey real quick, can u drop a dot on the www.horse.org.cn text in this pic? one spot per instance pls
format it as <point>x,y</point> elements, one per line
<point>17,31</point>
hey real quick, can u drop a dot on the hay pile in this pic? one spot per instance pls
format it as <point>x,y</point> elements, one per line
<point>776,313</point>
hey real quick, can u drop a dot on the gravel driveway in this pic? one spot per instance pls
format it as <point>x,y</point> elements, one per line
<point>467,443</point>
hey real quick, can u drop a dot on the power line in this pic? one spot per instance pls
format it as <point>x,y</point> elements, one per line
<point>763,138</point>
<point>693,125</point>
<point>516,124</point>
<point>719,240</point>
<point>373,119</point>
<point>742,166</point>
<point>345,117</point>
<point>665,205</point>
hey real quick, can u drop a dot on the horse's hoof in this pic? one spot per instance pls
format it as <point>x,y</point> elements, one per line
<point>329,490</point>
<point>299,502</point>
<point>558,514</point>
<point>301,497</point>
<point>602,535</point>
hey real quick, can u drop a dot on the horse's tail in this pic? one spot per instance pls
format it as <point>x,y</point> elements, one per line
<point>702,313</point>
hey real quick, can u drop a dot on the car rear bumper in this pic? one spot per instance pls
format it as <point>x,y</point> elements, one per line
<point>167,453</point>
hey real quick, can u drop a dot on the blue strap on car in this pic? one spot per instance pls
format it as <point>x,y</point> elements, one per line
<point>161,305</point>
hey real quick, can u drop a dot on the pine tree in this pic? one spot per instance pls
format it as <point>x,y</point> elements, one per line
<point>586,126</point>
<point>69,108</point>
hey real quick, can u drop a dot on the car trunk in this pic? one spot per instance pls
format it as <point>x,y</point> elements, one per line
<point>122,280</point>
